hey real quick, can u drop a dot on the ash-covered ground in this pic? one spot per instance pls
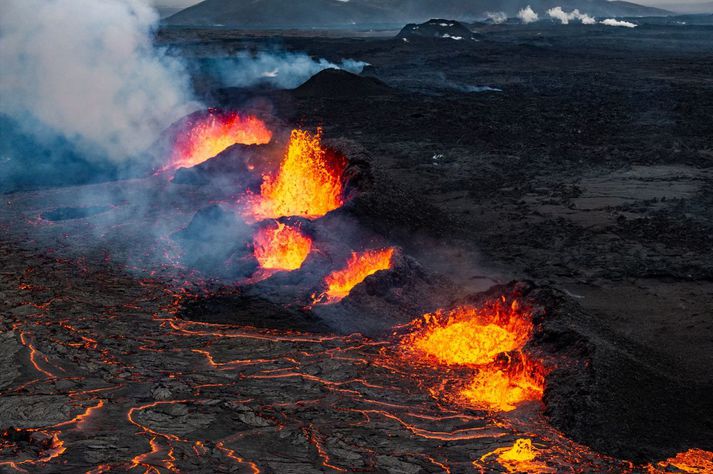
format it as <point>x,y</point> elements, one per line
<point>577,157</point>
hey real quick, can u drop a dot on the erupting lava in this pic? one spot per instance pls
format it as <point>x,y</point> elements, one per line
<point>505,388</point>
<point>520,457</point>
<point>359,266</point>
<point>281,247</point>
<point>205,137</point>
<point>468,335</point>
<point>308,183</point>
<point>475,337</point>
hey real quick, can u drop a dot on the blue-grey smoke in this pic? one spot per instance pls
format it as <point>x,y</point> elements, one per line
<point>277,69</point>
<point>84,76</point>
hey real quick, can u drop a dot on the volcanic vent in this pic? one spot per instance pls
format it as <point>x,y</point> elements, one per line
<point>204,135</point>
<point>288,226</point>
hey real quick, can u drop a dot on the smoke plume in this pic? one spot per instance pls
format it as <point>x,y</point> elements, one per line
<point>564,17</point>
<point>528,15</point>
<point>86,71</point>
<point>278,69</point>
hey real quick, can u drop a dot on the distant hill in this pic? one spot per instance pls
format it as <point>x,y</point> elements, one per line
<point>338,83</point>
<point>694,19</point>
<point>340,13</point>
<point>164,12</point>
<point>686,7</point>
<point>436,29</point>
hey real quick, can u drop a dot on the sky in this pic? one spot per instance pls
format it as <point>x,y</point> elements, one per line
<point>661,3</point>
<point>174,3</point>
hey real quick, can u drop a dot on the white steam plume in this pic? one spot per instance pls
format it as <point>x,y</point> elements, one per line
<point>497,17</point>
<point>564,17</point>
<point>528,15</point>
<point>615,22</point>
<point>87,70</point>
<point>279,69</point>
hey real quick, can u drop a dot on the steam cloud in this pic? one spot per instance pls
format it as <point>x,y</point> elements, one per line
<point>615,22</point>
<point>528,15</point>
<point>87,71</point>
<point>497,17</point>
<point>279,69</point>
<point>564,17</point>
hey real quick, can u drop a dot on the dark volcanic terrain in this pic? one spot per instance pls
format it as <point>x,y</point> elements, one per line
<point>579,158</point>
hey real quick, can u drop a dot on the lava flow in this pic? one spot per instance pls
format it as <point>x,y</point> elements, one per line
<point>209,135</point>
<point>175,380</point>
<point>307,184</point>
<point>693,461</point>
<point>481,338</point>
<point>281,247</point>
<point>359,266</point>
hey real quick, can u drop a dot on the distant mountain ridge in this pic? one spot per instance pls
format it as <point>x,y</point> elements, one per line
<point>165,12</point>
<point>689,7</point>
<point>341,13</point>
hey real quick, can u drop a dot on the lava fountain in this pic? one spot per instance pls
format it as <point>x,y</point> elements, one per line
<point>504,388</point>
<point>359,266</point>
<point>468,335</point>
<point>308,182</point>
<point>280,247</point>
<point>205,137</point>
<point>520,457</point>
<point>480,338</point>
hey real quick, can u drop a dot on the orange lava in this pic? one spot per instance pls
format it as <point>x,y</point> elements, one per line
<point>693,461</point>
<point>520,457</point>
<point>281,247</point>
<point>505,388</point>
<point>468,335</point>
<point>307,184</point>
<point>207,136</point>
<point>481,338</point>
<point>51,449</point>
<point>359,266</point>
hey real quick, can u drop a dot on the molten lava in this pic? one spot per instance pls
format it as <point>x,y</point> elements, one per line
<point>359,266</point>
<point>521,451</point>
<point>520,457</point>
<point>693,461</point>
<point>504,388</point>
<point>207,136</point>
<point>307,184</point>
<point>478,338</point>
<point>468,335</point>
<point>281,247</point>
